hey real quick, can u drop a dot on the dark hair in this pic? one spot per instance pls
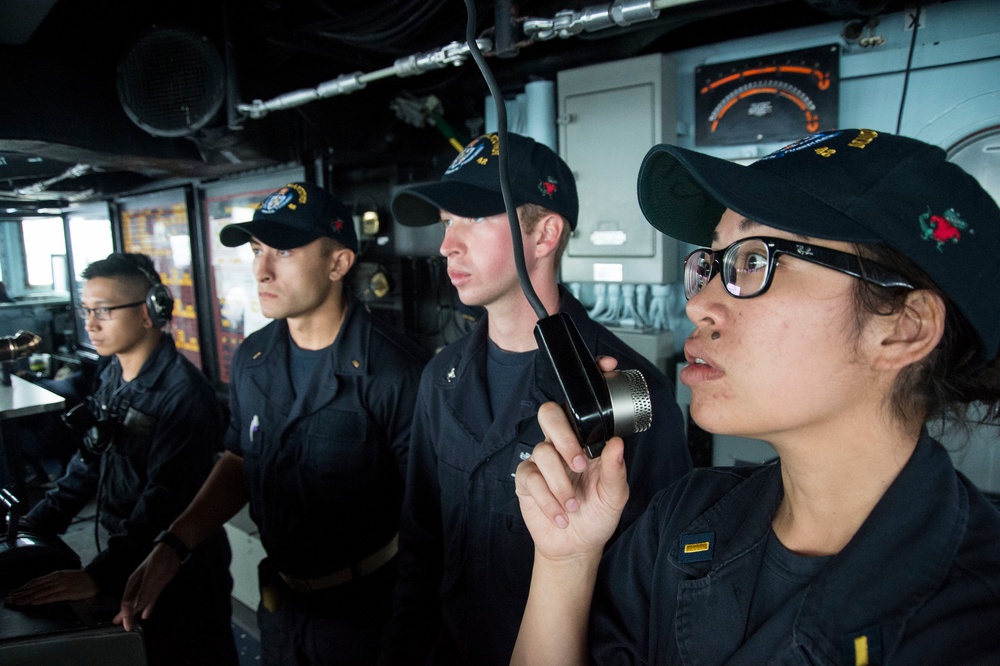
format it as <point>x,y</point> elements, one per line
<point>123,264</point>
<point>135,270</point>
<point>955,374</point>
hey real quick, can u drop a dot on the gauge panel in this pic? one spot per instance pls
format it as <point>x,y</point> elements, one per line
<point>777,97</point>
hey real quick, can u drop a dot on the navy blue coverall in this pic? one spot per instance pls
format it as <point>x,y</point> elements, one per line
<point>166,426</point>
<point>465,553</point>
<point>324,473</point>
<point>918,584</point>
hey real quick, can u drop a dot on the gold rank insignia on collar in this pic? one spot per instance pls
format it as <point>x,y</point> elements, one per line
<point>863,648</point>
<point>698,547</point>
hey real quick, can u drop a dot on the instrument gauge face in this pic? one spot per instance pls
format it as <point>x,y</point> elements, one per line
<point>779,97</point>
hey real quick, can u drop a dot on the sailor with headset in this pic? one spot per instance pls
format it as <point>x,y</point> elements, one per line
<point>150,431</point>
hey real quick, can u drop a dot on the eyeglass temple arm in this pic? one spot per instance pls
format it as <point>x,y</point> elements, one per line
<point>853,266</point>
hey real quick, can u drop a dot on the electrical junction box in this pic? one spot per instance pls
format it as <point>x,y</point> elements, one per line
<point>610,115</point>
<point>657,347</point>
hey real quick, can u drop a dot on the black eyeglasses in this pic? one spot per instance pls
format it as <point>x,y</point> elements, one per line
<point>747,266</point>
<point>103,313</point>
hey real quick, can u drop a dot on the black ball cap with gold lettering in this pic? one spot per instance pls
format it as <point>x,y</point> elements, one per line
<point>294,216</point>
<point>470,187</point>
<point>853,185</point>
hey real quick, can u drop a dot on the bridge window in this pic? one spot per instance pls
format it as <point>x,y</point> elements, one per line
<point>44,253</point>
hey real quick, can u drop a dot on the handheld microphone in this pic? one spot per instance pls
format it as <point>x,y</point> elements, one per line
<point>598,409</point>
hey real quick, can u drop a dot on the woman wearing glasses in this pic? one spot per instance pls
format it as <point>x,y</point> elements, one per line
<point>843,298</point>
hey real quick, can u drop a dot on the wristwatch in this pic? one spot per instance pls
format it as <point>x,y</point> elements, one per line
<point>170,539</point>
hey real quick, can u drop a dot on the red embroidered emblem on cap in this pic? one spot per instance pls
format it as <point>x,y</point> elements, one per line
<point>941,229</point>
<point>338,225</point>
<point>548,187</point>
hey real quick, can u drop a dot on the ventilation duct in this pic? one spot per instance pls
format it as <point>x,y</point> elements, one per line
<point>171,82</point>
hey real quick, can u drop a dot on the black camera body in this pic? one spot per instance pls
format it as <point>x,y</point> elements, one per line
<point>598,408</point>
<point>96,434</point>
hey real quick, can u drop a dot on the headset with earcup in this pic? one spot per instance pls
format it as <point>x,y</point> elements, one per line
<point>159,301</point>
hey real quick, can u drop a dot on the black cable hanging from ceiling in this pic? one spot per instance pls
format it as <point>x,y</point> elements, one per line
<point>909,66</point>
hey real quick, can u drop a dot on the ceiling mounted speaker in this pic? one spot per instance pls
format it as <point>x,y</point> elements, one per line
<point>171,82</point>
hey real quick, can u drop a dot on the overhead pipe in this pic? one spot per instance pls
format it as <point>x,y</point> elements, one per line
<point>566,23</point>
<point>454,54</point>
<point>74,171</point>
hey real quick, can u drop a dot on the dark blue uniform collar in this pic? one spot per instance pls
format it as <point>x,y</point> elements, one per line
<point>348,353</point>
<point>266,367</point>
<point>462,382</point>
<point>918,536</point>
<point>471,356</point>
<point>736,524</point>
<point>842,605</point>
<point>152,369</point>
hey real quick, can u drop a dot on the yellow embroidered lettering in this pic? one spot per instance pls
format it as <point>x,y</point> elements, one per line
<point>825,152</point>
<point>863,138</point>
<point>301,191</point>
<point>495,141</point>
